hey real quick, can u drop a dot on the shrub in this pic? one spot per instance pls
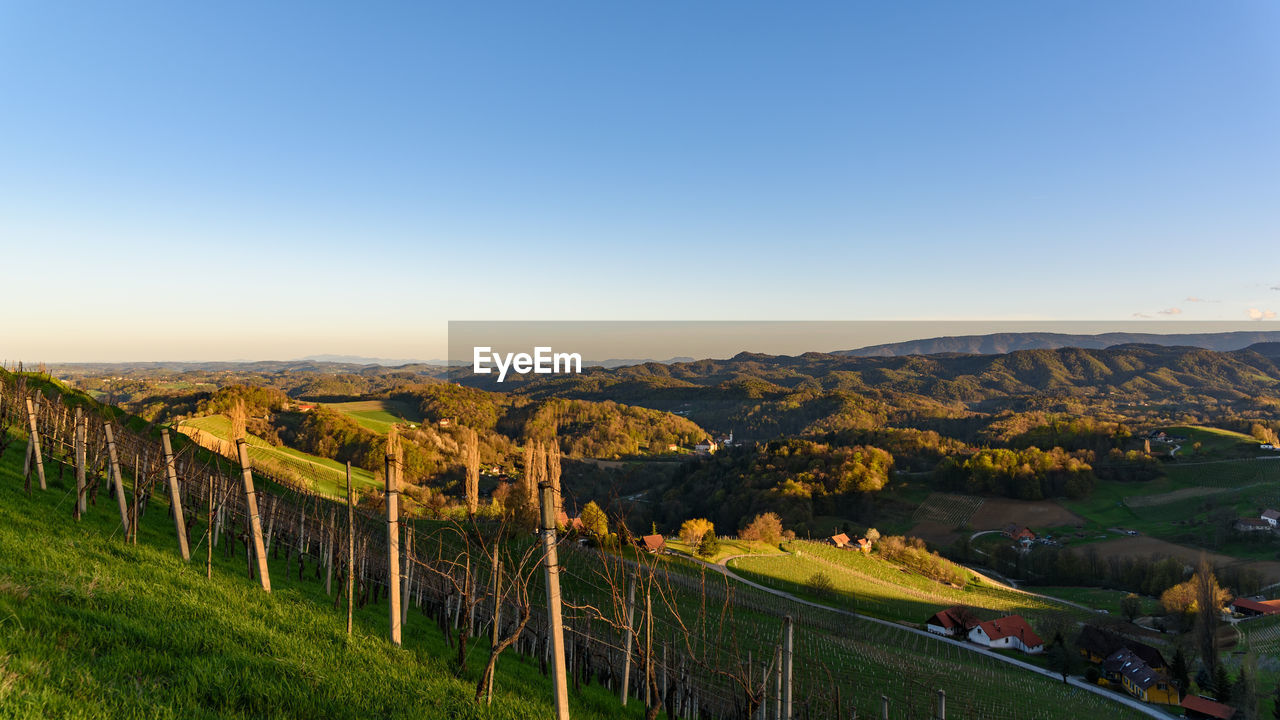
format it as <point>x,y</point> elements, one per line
<point>765,528</point>
<point>710,544</point>
<point>693,530</point>
<point>820,584</point>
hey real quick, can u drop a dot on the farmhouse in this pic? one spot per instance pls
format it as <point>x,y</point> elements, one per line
<point>1255,608</point>
<point>1011,631</point>
<point>706,447</point>
<point>1202,708</point>
<point>1096,645</point>
<point>1019,532</point>
<point>1253,525</point>
<point>952,622</point>
<point>1272,517</point>
<point>653,543</point>
<point>1139,679</point>
<point>840,541</point>
<point>864,545</point>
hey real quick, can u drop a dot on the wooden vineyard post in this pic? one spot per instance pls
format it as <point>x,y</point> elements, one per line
<point>33,448</point>
<point>626,649</point>
<point>393,543</point>
<point>208,560</point>
<point>175,496</point>
<point>551,564</point>
<point>497,620</point>
<point>81,500</point>
<point>884,707</point>
<point>133,525</point>
<point>251,507</point>
<point>942,705</point>
<point>351,549</point>
<point>777,693</point>
<point>116,480</point>
<point>787,655</point>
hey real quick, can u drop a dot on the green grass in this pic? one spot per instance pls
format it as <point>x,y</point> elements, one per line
<point>1097,598</point>
<point>1215,443</point>
<point>324,475</point>
<point>874,586</point>
<point>378,415</point>
<point>93,628</point>
<point>728,548</point>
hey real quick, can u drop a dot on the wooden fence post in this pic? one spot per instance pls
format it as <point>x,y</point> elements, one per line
<point>393,544</point>
<point>497,619</point>
<point>116,480</point>
<point>551,564</point>
<point>175,496</point>
<point>81,426</point>
<point>942,705</point>
<point>251,507</point>
<point>351,549</point>
<point>33,447</point>
<point>626,649</point>
<point>788,651</point>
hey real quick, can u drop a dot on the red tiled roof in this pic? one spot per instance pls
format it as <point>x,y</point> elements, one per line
<point>1011,625</point>
<point>950,618</point>
<point>1266,607</point>
<point>653,543</point>
<point>840,540</point>
<point>1205,706</point>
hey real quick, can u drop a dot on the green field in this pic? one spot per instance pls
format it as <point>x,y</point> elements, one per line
<point>871,585</point>
<point>1097,598</point>
<point>379,415</point>
<point>93,628</point>
<point>324,475</point>
<point>1215,443</point>
<point>728,548</point>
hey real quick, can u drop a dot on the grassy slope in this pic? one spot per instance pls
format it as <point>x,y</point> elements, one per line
<point>328,476</point>
<point>378,415</point>
<point>92,628</point>
<point>872,585</point>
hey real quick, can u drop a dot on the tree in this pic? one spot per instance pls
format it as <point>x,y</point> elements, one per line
<point>1181,673</point>
<point>765,528</point>
<point>1209,602</point>
<point>693,530</point>
<point>1061,658</point>
<point>1131,606</point>
<point>710,544</point>
<point>821,585</point>
<point>594,521</point>
<point>873,535</point>
<point>1221,684</point>
<point>471,457</point>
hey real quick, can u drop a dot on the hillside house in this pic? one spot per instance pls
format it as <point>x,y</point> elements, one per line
<point>1138,679</point>
<point>1020,533</point>
<point>840,541</point>
<point>1009,632</point>
<point>1255,608</point>
<point>706,447</point>
<point>653,543</point>
<point>1272,517</point>
<point>1249,525</point>
<point>1096,645</point>
<point>952,622</point>
<point>1198,707</point>
<point>864,545</point>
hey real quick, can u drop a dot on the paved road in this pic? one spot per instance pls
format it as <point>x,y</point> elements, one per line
<point>1149,710</point>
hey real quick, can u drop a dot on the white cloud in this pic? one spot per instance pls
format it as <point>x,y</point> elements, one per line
<point>1141,315</point>
<point>1170,311</point>
<point>1193,298</point>
<point>1256,314</point>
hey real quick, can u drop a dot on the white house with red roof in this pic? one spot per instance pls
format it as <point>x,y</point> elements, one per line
<point>952,622</point>
<point>1009,632</point>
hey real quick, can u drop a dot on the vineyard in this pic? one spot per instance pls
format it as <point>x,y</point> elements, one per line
<point>873,586</point>
<point>709,635</point>
<point>947,510</point>
<point>323,475</point>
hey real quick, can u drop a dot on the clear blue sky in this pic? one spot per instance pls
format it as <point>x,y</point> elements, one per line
<point>270,180</point>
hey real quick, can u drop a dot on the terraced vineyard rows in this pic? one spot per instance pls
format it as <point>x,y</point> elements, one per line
<point>873,586</point>
<point>947,509</point>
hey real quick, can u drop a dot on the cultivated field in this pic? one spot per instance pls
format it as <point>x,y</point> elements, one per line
<point>378,415</point>
<point>996,513</point>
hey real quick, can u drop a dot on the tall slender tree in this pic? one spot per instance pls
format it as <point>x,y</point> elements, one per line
<point>471,454</point>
